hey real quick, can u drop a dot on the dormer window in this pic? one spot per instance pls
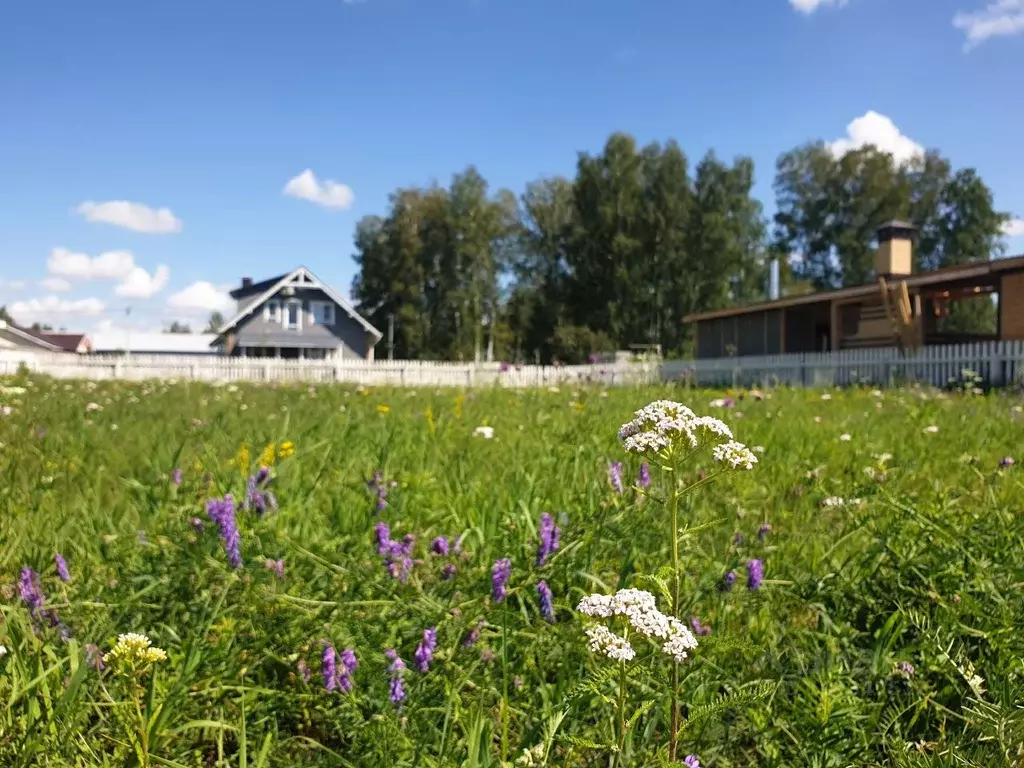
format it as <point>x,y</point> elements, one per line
<point>324,313</point>
<point>293,316</point>
<point>272,311</point>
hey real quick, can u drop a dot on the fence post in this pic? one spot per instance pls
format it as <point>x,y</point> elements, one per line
<point>116,373</point>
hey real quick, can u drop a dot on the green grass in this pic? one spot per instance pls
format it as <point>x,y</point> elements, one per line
<point>928,569</point>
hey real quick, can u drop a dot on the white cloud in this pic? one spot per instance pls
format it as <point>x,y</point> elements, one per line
<point>330,194</point>
<point>1001,18</point>
<point>111,265</point>
<point>880,131</point>
<point>56,284</point>
<point>37,310</point>
<point>1014,228</point>
<point>134,216</point>
<point>201,295</point>
<point>12,285</point>
<point>139,284</point>
<point>810,6</point>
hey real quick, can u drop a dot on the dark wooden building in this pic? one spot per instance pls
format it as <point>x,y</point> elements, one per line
<point>902,308</point>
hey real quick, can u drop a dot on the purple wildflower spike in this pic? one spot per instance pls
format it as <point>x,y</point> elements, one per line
<point>547,608</point>
<point>548,538</point>
<point>448,572</point>
<point>755,574</point>
<point>728,581</point>
<point>425,650</point>
<point>500,572</point>
<point>222,512</point>
<point>439,546</point>
<point>330,668</point>
<point>643,479</point>
<point>615,475</point>
<point>62,567</point>
<point>176,476</point>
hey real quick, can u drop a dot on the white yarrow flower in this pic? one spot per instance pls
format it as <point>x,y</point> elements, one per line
<point>603,640</point>
<point>845,437</point>
<point>736,455</point>
<point>930,430</point>
<point>485,432</point>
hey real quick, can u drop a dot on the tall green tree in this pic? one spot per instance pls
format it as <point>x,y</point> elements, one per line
<point>5,316</point>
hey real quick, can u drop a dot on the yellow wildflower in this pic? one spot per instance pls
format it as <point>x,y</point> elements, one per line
<point>268,456</point>
<point>136,650</point>
<point>287,449</point>
<point>457,408</point>
<point>382,409</point>
<point>429,415</point>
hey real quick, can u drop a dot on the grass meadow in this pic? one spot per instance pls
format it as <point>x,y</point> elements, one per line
<point>885,630</point>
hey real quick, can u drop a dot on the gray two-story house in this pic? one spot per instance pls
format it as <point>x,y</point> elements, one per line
<point>295,316</point>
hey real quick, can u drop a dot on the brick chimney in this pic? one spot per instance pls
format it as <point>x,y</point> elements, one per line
<point>247,282</point>
<point>895,254</point>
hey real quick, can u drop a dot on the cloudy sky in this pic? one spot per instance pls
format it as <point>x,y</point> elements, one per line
<point>153,153</point>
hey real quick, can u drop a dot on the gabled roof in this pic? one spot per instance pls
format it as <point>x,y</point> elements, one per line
<point>27,335</point>
<point>69,342</point>
<point>303,278</point>
<point>143,343</point>
<point>249,290</point>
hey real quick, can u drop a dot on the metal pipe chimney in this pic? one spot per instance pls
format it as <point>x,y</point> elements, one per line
<point>773,280</point>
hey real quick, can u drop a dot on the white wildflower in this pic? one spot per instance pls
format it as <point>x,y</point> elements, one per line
<point>833,501</point>
<point>930,430</point>
<point>3,651</point>
<point>603,640</point>
<point>845,437</point>
<point>485,432</point>
<point>6,410</point>
<point>680,640</point>
<point>826,396</point>
<point>737,455</point>
<point>93,407</point>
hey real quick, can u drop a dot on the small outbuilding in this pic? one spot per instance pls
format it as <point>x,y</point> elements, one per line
<point>900,309</point>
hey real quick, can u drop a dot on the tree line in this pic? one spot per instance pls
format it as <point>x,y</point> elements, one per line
<point>617,255</point>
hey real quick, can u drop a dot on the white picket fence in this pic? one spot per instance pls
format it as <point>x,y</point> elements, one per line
<point>998,362</point>
<point>413,373</point>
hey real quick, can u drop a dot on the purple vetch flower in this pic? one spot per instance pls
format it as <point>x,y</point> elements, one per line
<point>396,692</point>
<point>763,531</point>
<point>643,479</point>
<point>699,628</point>
<point>728,581</point>
<point>222,512</point>
<point>448,572</point>
<point>425,650</point>
<point>378,485</point>
<point>94,657</point>
<point>303,669</point>
<point>1006,462</point>
<point>500,572</point>
<point>31,592</point>
<point>439,546</point>
<point>277,566</point>
<point>906,668</point>
<point>472,636</point>
<point>755,574</point>
<point>349,665</point>
<point>382,533</point>
<point>330,667</point>
<point>62,567</point>
<point>487,656</point>
<point>737,538</point>
<point>549,533</point>
<point>547,608</point>
<point>176,477</point>
<point>615,475</point>
<point>691,761</point>
<point>257,496</point>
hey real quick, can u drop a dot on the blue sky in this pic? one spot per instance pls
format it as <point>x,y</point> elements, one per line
<point>145,148</point>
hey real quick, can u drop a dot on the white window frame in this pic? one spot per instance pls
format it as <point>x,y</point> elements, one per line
<point>298,315</point>
<point>323,312</point>
<point>272,311</point>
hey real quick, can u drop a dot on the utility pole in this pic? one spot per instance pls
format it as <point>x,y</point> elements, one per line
<point>128,332</point>
<point>391,336</point>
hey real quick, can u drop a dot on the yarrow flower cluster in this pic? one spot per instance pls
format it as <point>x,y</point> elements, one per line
<point>665,425</point>
<point>222,512</point>
<point>640,610</point>
<point>134,650</point>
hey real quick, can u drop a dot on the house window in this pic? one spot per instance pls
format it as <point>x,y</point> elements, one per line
<point>293,317</point>
<point>325,313</point>
<point>272,311</point>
